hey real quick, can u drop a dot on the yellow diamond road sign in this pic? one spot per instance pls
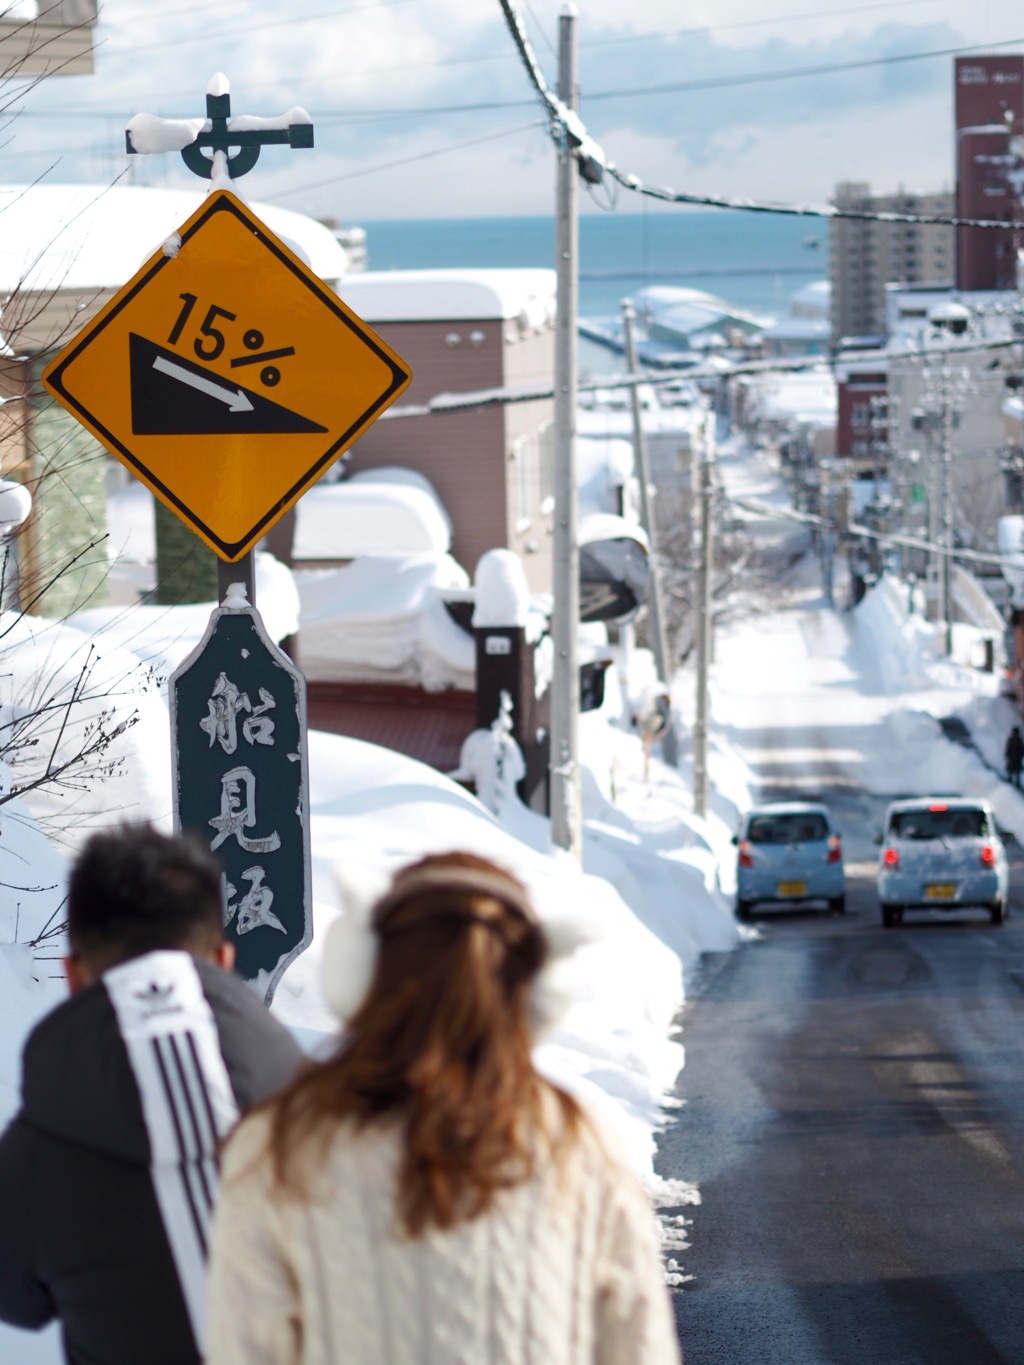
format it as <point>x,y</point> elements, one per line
<point>226,376</point>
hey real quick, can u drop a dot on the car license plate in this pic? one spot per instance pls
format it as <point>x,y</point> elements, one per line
<point>792,888</point>
<point>940,891</point>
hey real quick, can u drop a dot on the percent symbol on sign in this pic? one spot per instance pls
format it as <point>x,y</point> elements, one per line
<point>253,340</point>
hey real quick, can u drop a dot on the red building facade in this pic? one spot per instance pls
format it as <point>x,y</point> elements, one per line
<point>989,106</point>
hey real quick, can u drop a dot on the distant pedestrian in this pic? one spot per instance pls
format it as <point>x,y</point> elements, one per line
<point>1014,755</point>
<point>426,1194</point>
<point>108,1172</point>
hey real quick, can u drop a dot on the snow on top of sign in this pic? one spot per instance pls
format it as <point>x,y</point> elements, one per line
<point>527,296</point>
<point>151,134</point>
<point>236,598</point>
<point>89,237</point>
<point>254,123</point>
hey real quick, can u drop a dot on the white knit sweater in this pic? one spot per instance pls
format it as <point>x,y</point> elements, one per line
<point>564,1270</point>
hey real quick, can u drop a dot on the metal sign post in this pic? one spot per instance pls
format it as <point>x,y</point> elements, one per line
<point>227,377</point>
<point>238,714</point>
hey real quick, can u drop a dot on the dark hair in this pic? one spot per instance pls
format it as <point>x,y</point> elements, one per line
<point>442,1045</point>
<point>134,890</point>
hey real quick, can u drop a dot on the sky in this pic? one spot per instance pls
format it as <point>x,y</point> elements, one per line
<point>422,108</point>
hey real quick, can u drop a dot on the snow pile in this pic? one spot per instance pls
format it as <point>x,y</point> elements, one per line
<point>61,689</point>
<point>903,645</point>
<point>382,619</point>
<point>370,515</point>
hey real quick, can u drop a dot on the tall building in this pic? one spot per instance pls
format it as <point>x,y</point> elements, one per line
<point>865,256</point>
<point>989,101</point>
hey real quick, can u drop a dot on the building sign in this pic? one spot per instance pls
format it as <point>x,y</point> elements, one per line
<point>226,376</point>
<point>238,724</point>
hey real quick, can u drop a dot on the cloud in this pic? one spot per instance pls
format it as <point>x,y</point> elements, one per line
<point>396,80</point>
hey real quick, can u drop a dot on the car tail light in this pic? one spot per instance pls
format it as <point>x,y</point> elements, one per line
<point>745,859</point>
<point>891,858</point>
<point>988,855</point>
<point>835,852</point>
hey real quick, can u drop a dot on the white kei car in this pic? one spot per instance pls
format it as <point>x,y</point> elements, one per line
<point>941,853</point>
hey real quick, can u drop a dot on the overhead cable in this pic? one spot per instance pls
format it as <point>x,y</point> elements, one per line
<point>567,124</point>
<point>532,393</point>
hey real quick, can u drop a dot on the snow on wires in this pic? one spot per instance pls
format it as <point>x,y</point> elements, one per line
<point>568,127</point>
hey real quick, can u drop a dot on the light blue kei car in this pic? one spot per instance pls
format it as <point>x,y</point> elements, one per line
<point>788,852</point>
<point>941,853</point>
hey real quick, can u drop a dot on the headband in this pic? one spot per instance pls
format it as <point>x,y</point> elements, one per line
<point>492,885</point>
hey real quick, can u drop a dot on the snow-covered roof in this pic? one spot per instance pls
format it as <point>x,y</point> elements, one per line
<point>452,295</point>
<point>94,237</point>
<point>813,300</point>
<point>798,328</point>
<point>682,310</point>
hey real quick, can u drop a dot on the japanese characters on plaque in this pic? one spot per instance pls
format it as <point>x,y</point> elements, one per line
<point>239,736</point>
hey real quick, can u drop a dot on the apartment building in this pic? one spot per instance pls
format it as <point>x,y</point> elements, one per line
<point>866,255</point>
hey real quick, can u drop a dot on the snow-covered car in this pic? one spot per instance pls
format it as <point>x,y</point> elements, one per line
<point>941,854</point>
<point>788,852</point>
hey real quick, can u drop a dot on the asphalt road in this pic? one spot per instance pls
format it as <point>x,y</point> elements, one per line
<point>854,1118</point>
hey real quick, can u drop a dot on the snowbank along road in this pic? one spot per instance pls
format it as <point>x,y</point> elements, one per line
<point>853,1096</point>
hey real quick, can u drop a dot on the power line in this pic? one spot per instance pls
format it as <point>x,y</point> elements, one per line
<point>566,124</point>
<point>289,21</point>
<point>752,23</point>
<point>402,161</point>
<point>788,73</point>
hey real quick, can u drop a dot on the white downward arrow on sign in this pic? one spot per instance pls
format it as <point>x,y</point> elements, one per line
<point>236,399</point>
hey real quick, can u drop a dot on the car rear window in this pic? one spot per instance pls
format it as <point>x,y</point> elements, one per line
<point>787,829</point>
<point>938,824</point>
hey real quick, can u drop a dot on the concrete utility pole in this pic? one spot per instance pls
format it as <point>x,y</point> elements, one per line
<point>947,512</point>
<point>669,749</point>
<point>565,615</point>
<point>704,625</point>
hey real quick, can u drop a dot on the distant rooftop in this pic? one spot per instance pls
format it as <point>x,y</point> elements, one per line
<point>527,295</point>
<point>95,237</point>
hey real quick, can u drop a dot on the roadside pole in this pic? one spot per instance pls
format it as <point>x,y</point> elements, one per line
<point>669,748</point>
<point>565,614</point>
<point>704,626</point>
<point>947,512</point>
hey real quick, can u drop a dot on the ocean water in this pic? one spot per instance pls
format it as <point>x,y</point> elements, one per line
<point>752,260</point>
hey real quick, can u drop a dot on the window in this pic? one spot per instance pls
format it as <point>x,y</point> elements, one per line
<point>519,457</point>
<point>546,441</point>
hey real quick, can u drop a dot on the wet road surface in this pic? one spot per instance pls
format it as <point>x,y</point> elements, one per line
<point>853,1113</point>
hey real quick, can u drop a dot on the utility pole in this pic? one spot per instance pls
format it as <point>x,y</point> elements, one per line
<point>565,614</point>
<point>947,511</point>
<point>669,749</point>
<point>700,727</point>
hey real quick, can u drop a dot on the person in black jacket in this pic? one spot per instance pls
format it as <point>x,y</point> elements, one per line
<point>109,1171</point>
<point>1014,754</point>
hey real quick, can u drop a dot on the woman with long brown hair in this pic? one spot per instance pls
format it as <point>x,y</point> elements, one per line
<point>426,1195</point>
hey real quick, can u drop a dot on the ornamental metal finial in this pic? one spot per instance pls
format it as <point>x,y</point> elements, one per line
<point>147,133</point>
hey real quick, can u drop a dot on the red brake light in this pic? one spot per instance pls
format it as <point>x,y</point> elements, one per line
<point>938,807</point>
<point>891,858</point>
<point>835,852</point>
<point>988,855</point>
<point>745,859</point>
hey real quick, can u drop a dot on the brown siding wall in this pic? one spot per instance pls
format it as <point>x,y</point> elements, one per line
<point>530,360</point>
<point>467,455</point>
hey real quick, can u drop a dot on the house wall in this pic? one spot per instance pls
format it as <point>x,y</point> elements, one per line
<point>472,457</point>
<point>63,555</point>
